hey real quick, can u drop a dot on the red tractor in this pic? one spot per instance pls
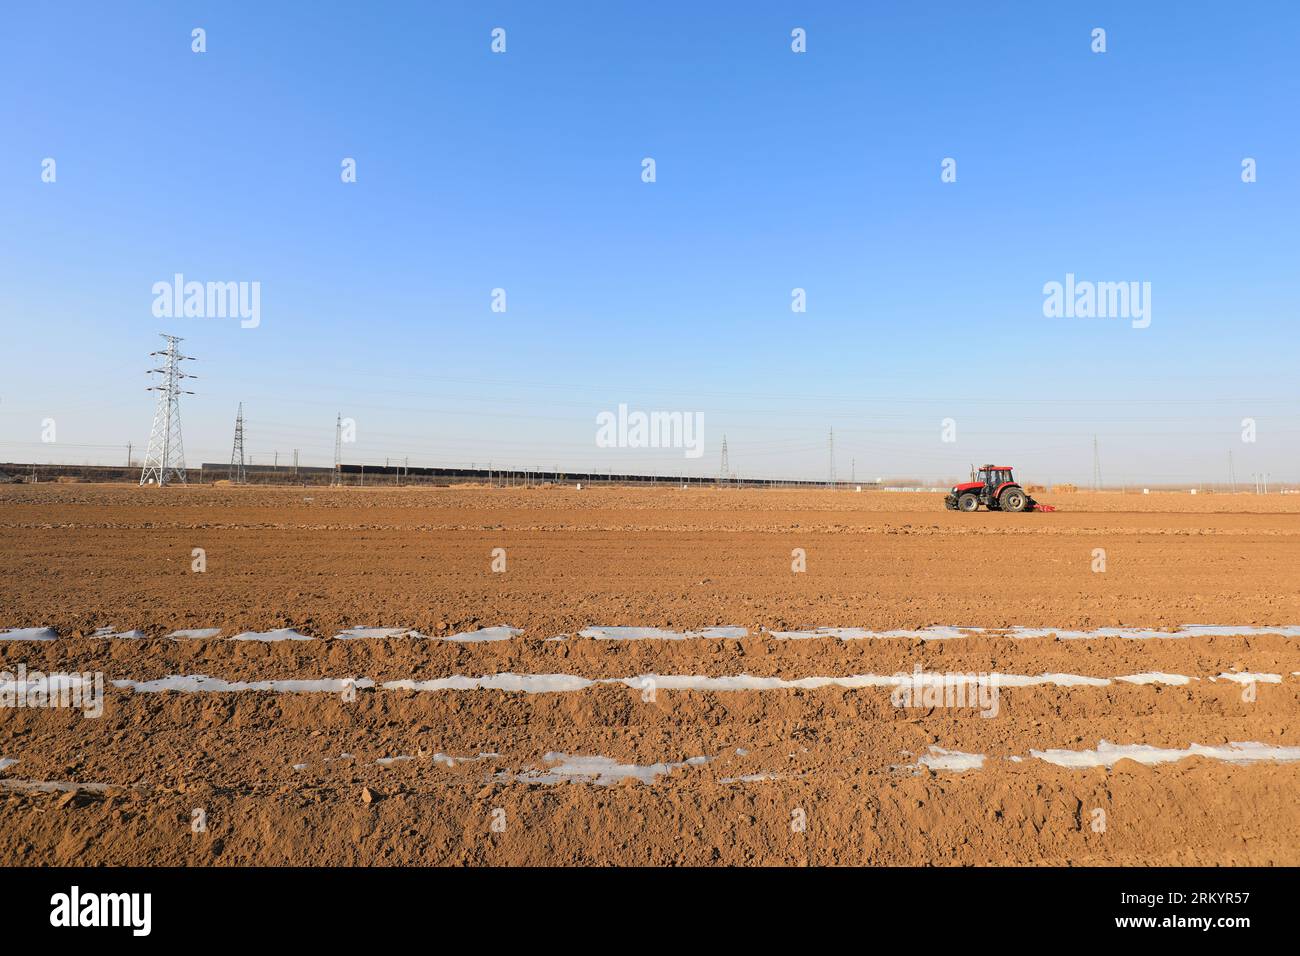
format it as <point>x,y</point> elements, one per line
<point>995,489</point>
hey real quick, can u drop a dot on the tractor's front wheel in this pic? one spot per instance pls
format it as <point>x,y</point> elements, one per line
<point>1013,499</point>
<point>967,502</point>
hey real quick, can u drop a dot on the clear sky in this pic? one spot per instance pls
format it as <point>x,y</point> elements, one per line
<point>775,170</point>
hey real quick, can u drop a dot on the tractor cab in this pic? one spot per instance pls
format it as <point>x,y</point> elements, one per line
<point>994,477</point>
<point>986,482</point>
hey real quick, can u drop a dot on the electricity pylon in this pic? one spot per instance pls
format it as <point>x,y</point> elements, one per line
<point>237,474</point>
<point>165,460</point>
<point>724,470</point>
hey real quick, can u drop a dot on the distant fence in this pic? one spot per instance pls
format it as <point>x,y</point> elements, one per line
<point>362,474</point>
<point>351,474</point>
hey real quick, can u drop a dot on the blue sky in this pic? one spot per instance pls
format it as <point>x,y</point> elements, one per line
<point>775,170</point>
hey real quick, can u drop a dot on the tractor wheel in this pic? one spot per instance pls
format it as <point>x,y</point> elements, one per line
<point>967,502</point>
<point>1013,499</point>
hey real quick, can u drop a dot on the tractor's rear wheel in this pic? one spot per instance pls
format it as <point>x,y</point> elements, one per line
<point>1013,499</point>
<point>967,502</point>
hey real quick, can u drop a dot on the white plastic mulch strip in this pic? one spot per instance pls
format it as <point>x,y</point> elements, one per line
<point>661,634</point>
<point>566,683</point>
<point>602,771</point>
<point>1138,633</point>
<point>109,633</point>
<point>195,634</point>
<point>279,634</point>
<point>1107,754</point>
<point>501,632</point>
<point>372,633</point>
<point>526,683</point>
<point>954,760</point>
<point>27,634</point>
<point>862,634</point>
<point>47,683</point>
<point>1155,677</point>
<point>1026,633</point>
<point>198,682</point>
<point>745,682</point>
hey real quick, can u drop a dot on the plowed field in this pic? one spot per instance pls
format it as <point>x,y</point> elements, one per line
<point>973,708</point>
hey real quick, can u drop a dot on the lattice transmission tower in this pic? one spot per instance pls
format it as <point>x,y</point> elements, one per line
<point>724,470</point>
<point>237,473</point>
<point>165,460</point>
<point>831,449</point>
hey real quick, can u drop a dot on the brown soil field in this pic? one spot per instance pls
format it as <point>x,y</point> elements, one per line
<point>627,771</point>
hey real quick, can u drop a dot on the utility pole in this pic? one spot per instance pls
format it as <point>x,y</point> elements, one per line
<point>1096,466</point>
<point>237,474</point>
<point>337,478</point>
<point>1232,475</point>
<point>128,455</point>
<point>165,460</point>
<point>295,464</point>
